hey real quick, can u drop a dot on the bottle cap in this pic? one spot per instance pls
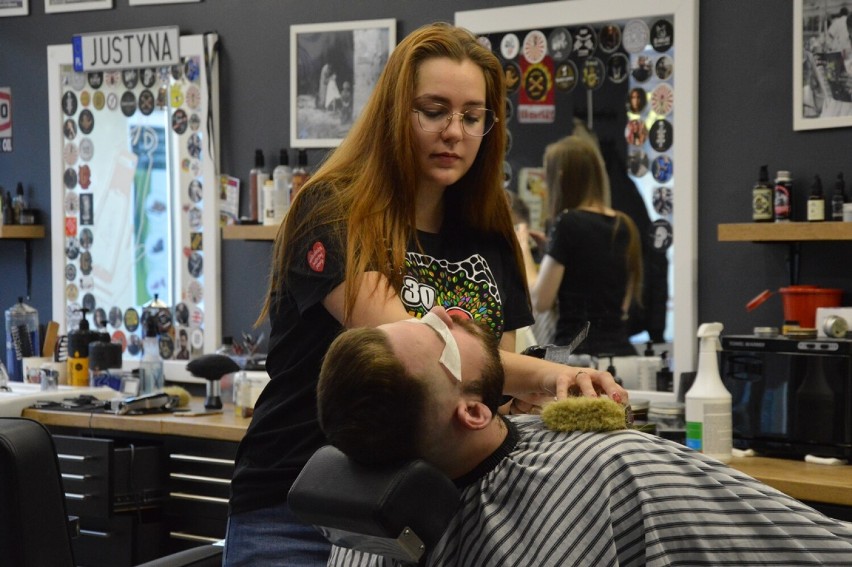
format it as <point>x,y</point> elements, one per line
<point>258,158</point>
<point>284,157</point>
<point>764,174</point>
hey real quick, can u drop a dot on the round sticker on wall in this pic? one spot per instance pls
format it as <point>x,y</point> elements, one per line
<point>664,67</point>
<point>69,178</point>
<point>662,99</point>
<point>642,69</point>
<point>594,73</point>
<point>85,178</point>
<point>194,122</point>
<point>149,77</point>
<point>193,145</point>
<point>662,35</point>
<point>194,190</point>
<point>70,153</point>
<point>86,238</point>
<point>87,149</point>
<point>115,317</point>
<point>195,291</point>
<point>176,96</point>
<point>131,319</point>
<point>99,100</point>
<point>196,339</point>
<point>128,104</point>
<point>661,200</point>
<point>100,318</point>
<point>95,79</point>
<point>167,347</point>
<point>192,69</point>
<point>566,76</point>
<point>70,272</point>
<point>635,36</point>
<point>72,248</point>
<point>513,76</point>
<point>635,132</point>
<point>72,292</point>
<point>112,78</point>
<point>85,98</point>
<point>610,38</point>
<point>72,203</point>
<point>182,314</point>
<point>617,68</point>
<point>535,46</point>
<point>112,101</point>
<point>585,41</point>
<point>510,45</point>
<point>179,121</point>
<point>69,103</point>
<point>146,102</point>
<point>193,97</point>
<point>87,283</point>
<point>637,162</point>
<point>194,216</point>
<point>86,263</point>
<point>77,81</point>
<point>662,168</point>
<point>129,78</point>
<point>637,99</point>
<point>660,135</point>
<point>89,302</point>
<point>69,129</point>
<point>560,43</point>
<point>87,121</point>
<point>661,235</point>
<point>195,264</point>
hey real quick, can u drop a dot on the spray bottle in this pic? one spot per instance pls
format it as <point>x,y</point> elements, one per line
<point>708,402</point>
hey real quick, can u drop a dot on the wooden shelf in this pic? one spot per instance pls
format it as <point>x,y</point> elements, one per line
<point>21,231</point>
<point>249,232</point>
<point>784,231</point>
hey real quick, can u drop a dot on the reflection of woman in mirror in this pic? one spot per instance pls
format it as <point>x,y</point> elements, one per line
<point>587,237</point>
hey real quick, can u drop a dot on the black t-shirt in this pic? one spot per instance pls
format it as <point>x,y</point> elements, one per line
<point>477,275</point>
<point>593,251</point>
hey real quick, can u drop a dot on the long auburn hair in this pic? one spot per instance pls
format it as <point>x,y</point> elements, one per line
<point>576,176</point>
<point>368,184</point>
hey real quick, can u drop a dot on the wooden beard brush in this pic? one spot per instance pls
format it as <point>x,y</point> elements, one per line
<point>586,414</point>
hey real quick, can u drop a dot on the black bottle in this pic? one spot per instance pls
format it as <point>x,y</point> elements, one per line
<point>838,198</point>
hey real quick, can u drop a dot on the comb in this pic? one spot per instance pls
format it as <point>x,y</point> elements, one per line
<point>21,341</point>
<point>61,352</point>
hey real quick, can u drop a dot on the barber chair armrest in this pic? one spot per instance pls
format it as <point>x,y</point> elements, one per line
<point>398,512</point>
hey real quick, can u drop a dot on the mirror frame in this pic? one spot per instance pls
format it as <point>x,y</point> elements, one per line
<point>192,45</point>
<point>684,14</point>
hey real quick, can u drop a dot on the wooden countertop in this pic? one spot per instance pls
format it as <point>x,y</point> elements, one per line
<point>225,426</point>
<point>804,481</point>
<point>831,484</point>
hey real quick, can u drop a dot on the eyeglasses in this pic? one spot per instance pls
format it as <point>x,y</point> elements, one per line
<point>436,118</point>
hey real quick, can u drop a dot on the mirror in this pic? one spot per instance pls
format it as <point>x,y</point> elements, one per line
<point>590,55</point>
<point>134,199</point>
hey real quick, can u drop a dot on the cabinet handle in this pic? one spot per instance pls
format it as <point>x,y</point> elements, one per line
<point>69,476</point>
<point>75,496</point>
<point>197,497</point>
<point>92,533</point>
<point>199,459</point>
<point>197,478</point>
<point>67,457</point>
<point>194,537</point>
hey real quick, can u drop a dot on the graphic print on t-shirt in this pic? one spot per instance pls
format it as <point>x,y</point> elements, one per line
<point>467,286</point>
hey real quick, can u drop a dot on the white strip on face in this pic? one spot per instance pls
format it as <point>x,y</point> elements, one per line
<point>450,356</point>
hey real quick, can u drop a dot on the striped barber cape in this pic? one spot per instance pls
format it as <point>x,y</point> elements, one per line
<point>622,498</point>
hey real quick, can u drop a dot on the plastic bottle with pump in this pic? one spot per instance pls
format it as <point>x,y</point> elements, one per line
<point>709,428</point>
<point>151,365</point>
<point>646,367</point>
<point>78,351</point>
<point>282,179</point>
<point>300,174</point>
<point>665,377</point>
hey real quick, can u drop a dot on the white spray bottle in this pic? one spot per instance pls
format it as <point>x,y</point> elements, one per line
<point>708,402</point>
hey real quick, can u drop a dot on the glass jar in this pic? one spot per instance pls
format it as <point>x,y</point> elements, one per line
<point>667,415</point>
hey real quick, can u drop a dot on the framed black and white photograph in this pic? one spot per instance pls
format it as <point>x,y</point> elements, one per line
<point>333,69</point>
<point>822,64</point>
<point>14,8</point>
<point>55,6</point>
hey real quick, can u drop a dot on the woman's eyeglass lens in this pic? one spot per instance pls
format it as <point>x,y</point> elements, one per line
<point>436,118</point>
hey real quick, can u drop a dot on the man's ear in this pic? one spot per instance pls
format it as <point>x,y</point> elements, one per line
<point>473,414</point>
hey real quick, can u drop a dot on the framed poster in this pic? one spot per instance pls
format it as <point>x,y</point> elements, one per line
<point>333,69</point>
<point>14,8</point>
<point>55,6</point>
<point>822,65</point>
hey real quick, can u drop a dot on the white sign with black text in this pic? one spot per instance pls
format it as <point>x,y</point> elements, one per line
<point>5,120</point>
<point>126,49</point>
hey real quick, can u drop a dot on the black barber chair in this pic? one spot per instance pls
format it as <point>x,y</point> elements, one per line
<point>397,512</point>
<point>35,530</point>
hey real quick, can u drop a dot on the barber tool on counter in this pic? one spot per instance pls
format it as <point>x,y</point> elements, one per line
<point>212,367</point>
<point>78,351</point>
<point>22,337</point>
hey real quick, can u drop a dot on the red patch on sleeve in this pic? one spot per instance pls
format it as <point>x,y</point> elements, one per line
<point>316,257</point>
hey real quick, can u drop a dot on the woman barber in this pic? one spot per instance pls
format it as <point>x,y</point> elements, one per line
<point>407,213</point>
<point>587,236</point>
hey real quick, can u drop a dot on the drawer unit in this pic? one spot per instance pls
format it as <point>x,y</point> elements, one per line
<point>200,474</point>
<point>122,540</point>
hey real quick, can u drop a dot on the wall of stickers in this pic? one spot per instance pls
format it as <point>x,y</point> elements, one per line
<point>133,165</point>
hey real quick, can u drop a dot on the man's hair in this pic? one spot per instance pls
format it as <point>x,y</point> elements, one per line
<point>374,410</point>
<point>369,406</point>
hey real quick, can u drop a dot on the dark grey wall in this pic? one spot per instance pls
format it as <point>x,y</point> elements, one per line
<point>745,119</point>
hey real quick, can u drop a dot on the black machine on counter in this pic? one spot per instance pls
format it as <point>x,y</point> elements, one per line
<point>791,397</point>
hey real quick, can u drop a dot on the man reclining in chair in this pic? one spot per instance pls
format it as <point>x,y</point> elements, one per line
<point>532,496</point>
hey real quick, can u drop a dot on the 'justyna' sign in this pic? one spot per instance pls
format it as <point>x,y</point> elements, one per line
<point>126,49</point>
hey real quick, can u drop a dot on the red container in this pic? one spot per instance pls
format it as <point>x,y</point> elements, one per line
<point>801,302</point>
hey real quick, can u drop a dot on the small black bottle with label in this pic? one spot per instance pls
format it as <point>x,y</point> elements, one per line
<point>816,201</point>
<point>838,198</point>
<point>762,198</point>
